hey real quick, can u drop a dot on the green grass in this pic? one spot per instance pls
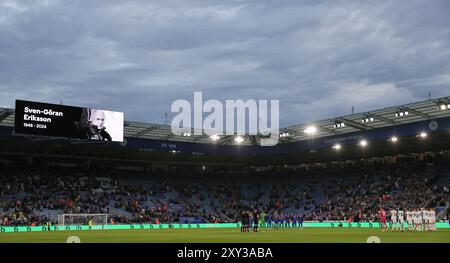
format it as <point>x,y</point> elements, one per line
<point>230,235</point>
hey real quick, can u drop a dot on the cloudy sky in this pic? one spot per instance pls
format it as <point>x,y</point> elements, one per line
<point>318,58</point>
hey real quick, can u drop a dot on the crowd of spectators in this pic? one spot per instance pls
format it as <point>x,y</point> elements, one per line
<point>348,190</point>
<point>407,185</point>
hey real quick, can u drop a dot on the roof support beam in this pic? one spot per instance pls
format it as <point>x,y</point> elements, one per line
<point>253,139</point>
<point>321,127</point>
<point>170,135</point>
<point>149,129</point>
<point>225,139</point>
<point>418,113</point>
<point>381,118</point>
<point>5,114</point>
<point>199,137</point>
<point>354,124</point>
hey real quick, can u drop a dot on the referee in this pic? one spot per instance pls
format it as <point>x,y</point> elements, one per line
<point>255,220</point>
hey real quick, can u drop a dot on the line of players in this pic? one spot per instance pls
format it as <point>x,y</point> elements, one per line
<point>416,220</point>
<point>254,220</point>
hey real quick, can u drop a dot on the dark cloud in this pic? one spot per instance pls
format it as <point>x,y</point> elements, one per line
<point>318,59</point>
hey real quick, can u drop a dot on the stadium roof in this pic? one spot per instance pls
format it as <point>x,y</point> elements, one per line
<point>417,111</point>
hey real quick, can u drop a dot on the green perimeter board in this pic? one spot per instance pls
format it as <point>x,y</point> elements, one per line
<point>230,235</point>
<point>11,229</point>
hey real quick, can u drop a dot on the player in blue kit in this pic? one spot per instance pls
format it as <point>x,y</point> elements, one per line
<point>294,221</point>
<point>300,221</point>
<point>268,221</point>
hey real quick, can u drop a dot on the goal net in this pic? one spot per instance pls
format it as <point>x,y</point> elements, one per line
<point>83,219</point>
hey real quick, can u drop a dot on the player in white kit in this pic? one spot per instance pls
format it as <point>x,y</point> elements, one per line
<point>393,219</point>
<point>432,219</point>
<point>401,219</point>
<point>416,220</point>
<point>409,220</point>
<point>424,219</point>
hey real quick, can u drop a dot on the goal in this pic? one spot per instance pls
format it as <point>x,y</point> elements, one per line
<point>83,219</point>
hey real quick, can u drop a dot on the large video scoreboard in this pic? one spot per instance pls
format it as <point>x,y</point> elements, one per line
<point>36,118</point>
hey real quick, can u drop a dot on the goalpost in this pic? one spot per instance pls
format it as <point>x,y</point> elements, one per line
<point>83,219</point>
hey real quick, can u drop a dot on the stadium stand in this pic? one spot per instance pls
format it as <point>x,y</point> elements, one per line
<point>350,190</point>
<point>155,176</point>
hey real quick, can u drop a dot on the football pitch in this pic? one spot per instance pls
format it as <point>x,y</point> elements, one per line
<point>229,235</point>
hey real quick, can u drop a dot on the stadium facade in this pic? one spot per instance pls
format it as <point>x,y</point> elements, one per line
<point>402,121</point>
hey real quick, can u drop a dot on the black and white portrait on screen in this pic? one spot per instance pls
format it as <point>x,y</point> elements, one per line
<point>102,125</point>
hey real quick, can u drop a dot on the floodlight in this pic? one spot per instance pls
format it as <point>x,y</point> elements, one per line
<point>363,143</point>
<point>239,139</point>
<point>214,137</point>
<point>310,130</point>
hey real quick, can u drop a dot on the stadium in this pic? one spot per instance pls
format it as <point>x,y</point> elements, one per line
<point>224,129</point>
<point>327,181</point>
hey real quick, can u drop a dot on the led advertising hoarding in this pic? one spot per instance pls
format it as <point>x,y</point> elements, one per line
<point>36,118</point>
